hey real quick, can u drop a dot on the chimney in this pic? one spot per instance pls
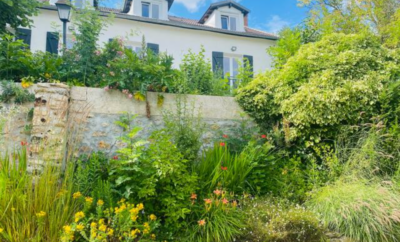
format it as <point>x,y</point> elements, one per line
<point>246,20</point>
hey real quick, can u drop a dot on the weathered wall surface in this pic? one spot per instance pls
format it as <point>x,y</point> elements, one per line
<point>71,121</point>
<point>96,111</point>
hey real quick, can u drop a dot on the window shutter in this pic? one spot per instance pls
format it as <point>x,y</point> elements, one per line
<point>155,11</point>
<point>110,40</point>
<point>233,24</point>
<point>251,62</point>
<point>218,62</point>
<point>24,35</point>
<point>154,47</point>
<point>52,42</point>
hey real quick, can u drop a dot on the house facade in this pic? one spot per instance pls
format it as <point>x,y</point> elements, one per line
<point>223,31</point>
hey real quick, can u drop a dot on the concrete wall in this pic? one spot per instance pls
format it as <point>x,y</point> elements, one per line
<point>173,40</point>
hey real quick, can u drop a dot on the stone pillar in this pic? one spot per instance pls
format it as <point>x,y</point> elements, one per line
<point>49,125</point>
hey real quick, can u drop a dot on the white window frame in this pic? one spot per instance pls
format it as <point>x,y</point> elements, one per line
<point>229,16</point>
<point>232,78</point>
<point>134,46</point>
<point>150,4</point>
<point>228,21</point>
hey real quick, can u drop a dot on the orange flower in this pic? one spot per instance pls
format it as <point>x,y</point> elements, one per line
<point>193,196</point>
<point>202,222</point>
<point>225,136</point>
<point>217,192</point>
<point>225,201</point>
<point>208,201</point>
<point>234,203</point>
<point>224,168</point>
<point>222,144</point>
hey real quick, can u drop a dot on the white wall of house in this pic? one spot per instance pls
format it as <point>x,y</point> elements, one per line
<point>173,40</point>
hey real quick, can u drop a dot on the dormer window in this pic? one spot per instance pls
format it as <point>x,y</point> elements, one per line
<point>150,9</point>
<point>228,23</point>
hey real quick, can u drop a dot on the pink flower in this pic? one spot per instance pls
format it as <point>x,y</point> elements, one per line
<point>120,53</point>
<point>107,88</point>
<point>97,52</point>
<point>24,143</point>
<point>225,201</point>
<point>130,96</point>
<point>225,136</point>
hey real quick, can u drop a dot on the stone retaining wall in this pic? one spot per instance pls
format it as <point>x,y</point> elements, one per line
<point>70,121</point>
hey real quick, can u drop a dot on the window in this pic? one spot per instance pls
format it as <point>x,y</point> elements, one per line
<point>146,10</point>
<point>70,41</point>
<point>155,9</point>
<point>231,69</point>
<point>233,23</point>
<point>224,22</point>
<point>136,49</point>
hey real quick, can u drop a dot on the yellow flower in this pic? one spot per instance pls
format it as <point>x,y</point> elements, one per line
<point>146,231</point>
<point>100,203</point>
<point>80,227</point>
<point>153,217</point>
<point>1,230</point>
<point>67,229</point>
<point>26,82</point>
<point>122,200</point>
<point>110,232</point>
<point>77,195</point>
<point>93,225</point>
<point>140,206</point>
<point>146,225</point>
<point>134,218</point>
<point>134,232</point>
<point>79,216</point>
<point>41,214</point>
<point>153,236</point>
<point>89,200</point>
<point>13,209</point>
<point>103,228</point>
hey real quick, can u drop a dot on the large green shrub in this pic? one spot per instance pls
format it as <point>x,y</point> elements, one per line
<point>335,81</point>
<point>280,221</point>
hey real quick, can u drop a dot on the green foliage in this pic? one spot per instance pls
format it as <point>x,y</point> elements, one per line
<point>90,172</point>
<point>280,221</point>
<point>361,210</point>
<point>185,128</point>
<point>17,13</point>
<point>287,46</point>
<point>34,208</point>
<point>219,167</point>
<point>14,58</point>
<point>220,220</point>
<point>13,92</point>
<point>332,82</point>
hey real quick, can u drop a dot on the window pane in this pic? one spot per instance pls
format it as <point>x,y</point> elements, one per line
<point>227,66</point>
<point>233,24</point>
<point>70,42</point>
<point>138,50</point>
<point>146,10</point>
<point>79,3</point>
<point>155,11</point>
<point>224,22</point>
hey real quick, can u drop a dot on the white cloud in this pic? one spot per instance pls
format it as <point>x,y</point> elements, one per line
<point>276,24</point>
<point>191,5</point>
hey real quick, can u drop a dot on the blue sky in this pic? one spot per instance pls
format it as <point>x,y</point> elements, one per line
<point>267,15</point>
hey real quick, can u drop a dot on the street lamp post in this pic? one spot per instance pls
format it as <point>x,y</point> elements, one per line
<point>64,13</point>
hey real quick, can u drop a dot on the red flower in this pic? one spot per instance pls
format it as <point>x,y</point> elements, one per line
<point>224,168</point>
<point>115,157</point>
<point>225,136</point>
<point>263,136</point>
<point>24,143</point>
<point>222,144</point>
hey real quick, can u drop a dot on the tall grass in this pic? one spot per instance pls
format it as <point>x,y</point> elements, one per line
<point>219,167</point>
<point>34,207</point>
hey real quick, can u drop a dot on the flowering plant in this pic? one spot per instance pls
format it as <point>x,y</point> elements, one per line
<point>126,222</point>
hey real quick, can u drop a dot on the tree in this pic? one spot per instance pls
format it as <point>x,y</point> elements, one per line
<point>17,13</point>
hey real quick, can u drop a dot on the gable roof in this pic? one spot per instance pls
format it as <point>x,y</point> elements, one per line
<point>128,3</point>
<point>181,23</point>
<point>229,3</point>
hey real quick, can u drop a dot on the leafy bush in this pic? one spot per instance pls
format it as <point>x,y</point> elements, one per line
<point>280,221</point>
<point>361,210</point>
<point>126,222</point>
<point>198,77</point>
<point>185,128</point>
<point>220,219</point>
<point>13,92</point>
<point>335,81</point>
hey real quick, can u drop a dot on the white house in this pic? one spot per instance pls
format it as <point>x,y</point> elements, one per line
<point>223,31</point>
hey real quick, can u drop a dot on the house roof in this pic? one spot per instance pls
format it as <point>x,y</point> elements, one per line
<point>128,3</point>
<point>229,3</point>
<point>182,23</point>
